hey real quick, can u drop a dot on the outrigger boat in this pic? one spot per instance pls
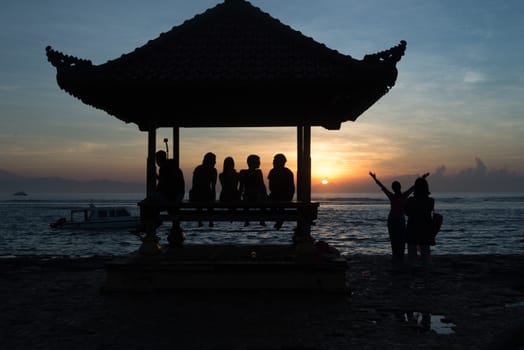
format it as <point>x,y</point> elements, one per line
<point>94,217</point>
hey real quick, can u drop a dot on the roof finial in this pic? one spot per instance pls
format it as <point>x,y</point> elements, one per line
<point>58,59</point>
<point>393,55</point>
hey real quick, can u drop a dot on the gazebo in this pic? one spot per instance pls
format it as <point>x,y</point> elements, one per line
<point>232,66</point>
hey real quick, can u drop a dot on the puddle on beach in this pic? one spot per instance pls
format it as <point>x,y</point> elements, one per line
<point>517,304</point>
<point>426,322</point>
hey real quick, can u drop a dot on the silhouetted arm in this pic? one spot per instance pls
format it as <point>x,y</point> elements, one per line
<point>241,184</point>
<point>412,188</point>
<point>377,181</point>
<point>213,184</point>
<point>262,185</point>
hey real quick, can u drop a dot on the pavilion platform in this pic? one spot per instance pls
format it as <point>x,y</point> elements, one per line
<point>228,267</point>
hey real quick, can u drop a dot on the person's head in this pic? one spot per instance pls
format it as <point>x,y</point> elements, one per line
<point>210,159</point>
<point>421,188</point>
<point>397,188</point>
<point>160,157</point>
<point>229,163</point>
<point>279,160</point>
<point>253,161</point>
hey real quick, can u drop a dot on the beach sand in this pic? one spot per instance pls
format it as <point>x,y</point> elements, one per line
<point>467,302</point>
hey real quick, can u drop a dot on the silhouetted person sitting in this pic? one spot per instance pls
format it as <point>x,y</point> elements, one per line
<point>204,182</point>
<point>281,183</point>
<point>229,179</point>
<point>252,187</point>
<point>170,179</point>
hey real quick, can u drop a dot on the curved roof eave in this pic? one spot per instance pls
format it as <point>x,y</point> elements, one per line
<point>270,75</point>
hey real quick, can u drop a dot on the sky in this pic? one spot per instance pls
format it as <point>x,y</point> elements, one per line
<point>455,111</point>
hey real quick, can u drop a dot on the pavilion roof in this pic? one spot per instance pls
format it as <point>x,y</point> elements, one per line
<point>233,65</point>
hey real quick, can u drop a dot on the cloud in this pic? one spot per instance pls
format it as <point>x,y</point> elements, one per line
<point>479,178</point>
<point>87,147</point>
<point>473,77</point>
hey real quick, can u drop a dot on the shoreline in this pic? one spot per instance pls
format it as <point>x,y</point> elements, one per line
<point>467,301</point>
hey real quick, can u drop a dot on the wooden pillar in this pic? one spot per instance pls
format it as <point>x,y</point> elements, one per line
<point>307,164</point>
<point>148,214</point>
<point>304,163</point>
<point>151,166</point>
<point>176,146</point>
<point>303,231</point>
<point>300,161</point>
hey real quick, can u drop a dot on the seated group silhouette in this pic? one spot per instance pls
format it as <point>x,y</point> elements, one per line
<point>244,185</point>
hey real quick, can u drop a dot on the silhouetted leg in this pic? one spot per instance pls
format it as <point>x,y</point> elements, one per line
<point>200,224</point>
<point>262,222</point>
<point>396,229</point>
<point>278,223</point>
<point>262,210</point>
<point>425,254</point>
<point>412,254</point>
<point>210,211</point>
<point>246,223</point>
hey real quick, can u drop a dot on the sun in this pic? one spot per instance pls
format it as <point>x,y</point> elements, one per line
<point>324,181</point>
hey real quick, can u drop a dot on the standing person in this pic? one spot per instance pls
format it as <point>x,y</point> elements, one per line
<point>419,209</point>
<point>170,187</point>
<point>396,219</point>
<point>281,182</point>
<point>204,182</point>
<point>229,179</point>
<point>251,185</point>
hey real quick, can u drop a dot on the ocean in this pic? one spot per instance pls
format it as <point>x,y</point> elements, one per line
<point>474,223</point>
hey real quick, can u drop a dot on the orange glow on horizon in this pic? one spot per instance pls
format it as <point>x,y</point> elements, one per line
<point>335,175</point>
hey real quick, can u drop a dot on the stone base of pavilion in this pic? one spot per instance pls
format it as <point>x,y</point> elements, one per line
<point>227,267</point>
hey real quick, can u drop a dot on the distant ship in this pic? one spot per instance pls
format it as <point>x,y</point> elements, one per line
<point>20,193</point>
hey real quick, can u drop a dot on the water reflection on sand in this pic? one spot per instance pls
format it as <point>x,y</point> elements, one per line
<point>427,322</point>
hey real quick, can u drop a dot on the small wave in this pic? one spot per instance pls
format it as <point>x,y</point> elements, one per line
<point>351,199</point>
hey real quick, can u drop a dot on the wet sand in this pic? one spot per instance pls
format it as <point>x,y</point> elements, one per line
<point>466,302</point>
